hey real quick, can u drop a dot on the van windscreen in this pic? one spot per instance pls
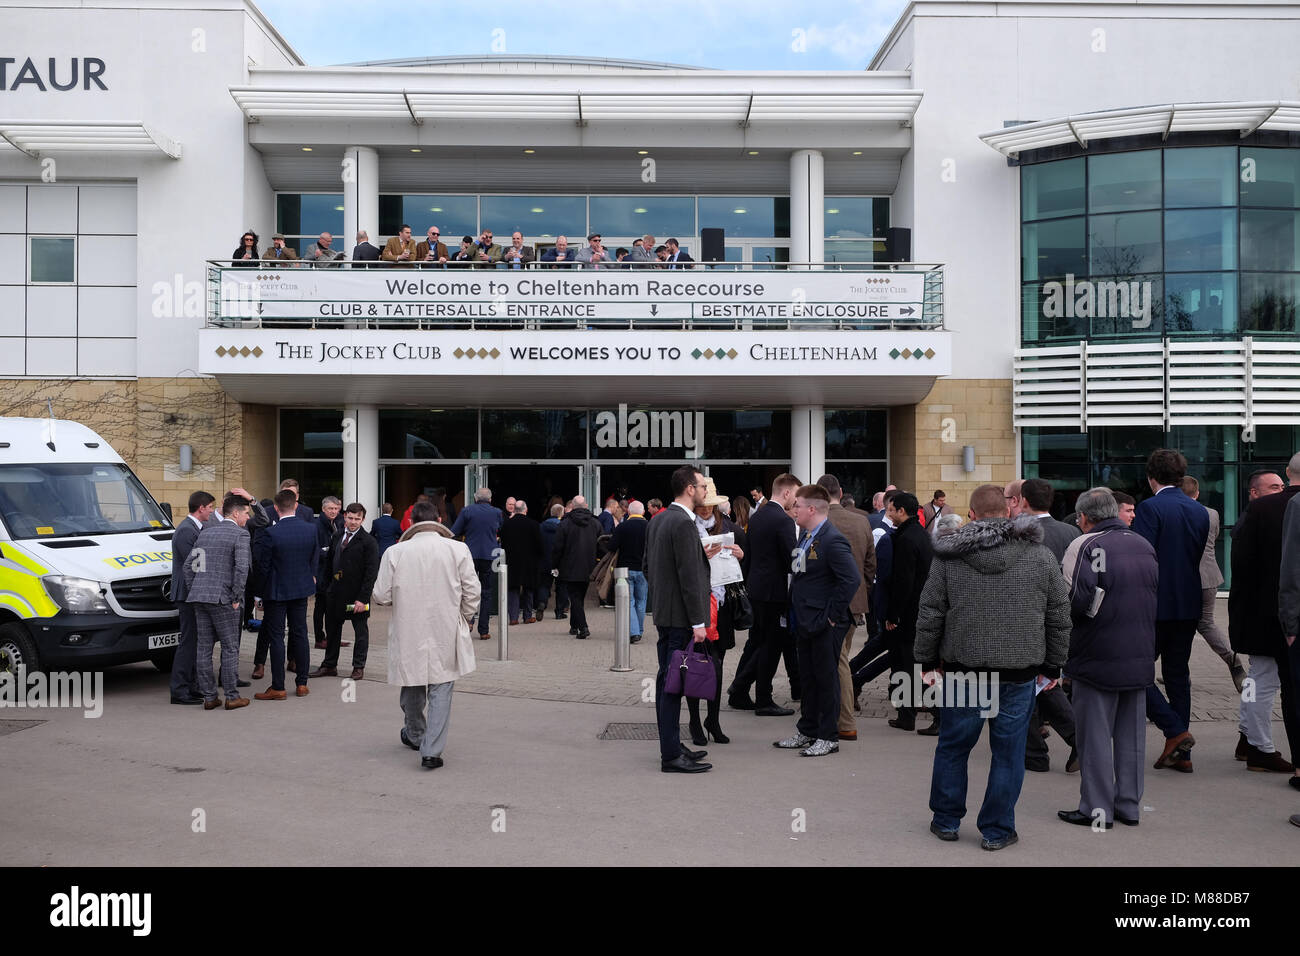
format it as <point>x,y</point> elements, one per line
<point>61,500</point>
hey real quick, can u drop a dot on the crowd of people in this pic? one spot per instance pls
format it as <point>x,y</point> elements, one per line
<point>403,251</point>
<point>1059,621</point>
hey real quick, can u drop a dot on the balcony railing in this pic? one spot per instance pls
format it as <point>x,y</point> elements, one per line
<point>296,294</point>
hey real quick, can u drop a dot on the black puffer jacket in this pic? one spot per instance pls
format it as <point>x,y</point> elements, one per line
<point>574,551</point>
<point>995,600</point>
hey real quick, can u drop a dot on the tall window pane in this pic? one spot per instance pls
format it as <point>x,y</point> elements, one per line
<point>1049,190</point>
<point>541,216</point>
<point>1270,177</point>
<point>849,217</point>
<point>1201,177</point>
<point>662,216</point>
<point>1053,249</point>
<point>1124,245</point>
<point>311,433</point>
<point>310,214</point>
<point>423,434</point>
<point>1270,240</point>
<point>1201,302</point>
<point>1200,239</point>
<point>1124,181</point>
<point>1268,302</point>
<point>455,216</point>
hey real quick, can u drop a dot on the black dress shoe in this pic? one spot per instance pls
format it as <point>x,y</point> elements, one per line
<point>683,764</point>
<point>1038,766</point>
<point>931,731</point>
<point>242,683</point>
<point>899,723</point>
<point>187,700</point>
<point>1078,819</point>
<point>1126,821</point>
<point>584,634</point>
<point>694,754</point>
<point>772,710</point>
<point>947,836</point>
<point>560,615</point>
<point>430,763</point>
<point>634,639</point>
<point>406,739</point>
<point>999,844</point>
<point>741,703</point>
<point>573,631</point>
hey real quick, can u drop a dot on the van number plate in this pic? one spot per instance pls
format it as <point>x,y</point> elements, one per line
<point>159,641</point>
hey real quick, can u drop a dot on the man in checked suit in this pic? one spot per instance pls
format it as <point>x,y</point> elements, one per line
<point>184,687</point>
<point>353,567</point>
<point>677,572</point>
<point>215,573</point>
<point>825,578</point>
<point>286,561</point>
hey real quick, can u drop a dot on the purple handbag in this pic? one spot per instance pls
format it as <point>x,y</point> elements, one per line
<point>691,674</point>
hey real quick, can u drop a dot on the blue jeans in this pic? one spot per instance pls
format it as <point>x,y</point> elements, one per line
<point>959,730</point>
<point>668,707</point>
<point>637,592</point>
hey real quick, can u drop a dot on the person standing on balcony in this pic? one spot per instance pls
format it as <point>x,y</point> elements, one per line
<point>431,252</point>
<point>400,250</point>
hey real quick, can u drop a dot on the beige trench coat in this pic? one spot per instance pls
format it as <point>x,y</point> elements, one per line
<point>429,580</point>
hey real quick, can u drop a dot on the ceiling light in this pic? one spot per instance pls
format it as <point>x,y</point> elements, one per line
<point>306,149</point>
<point>753,152</point>
<point>740,212</point>
<point>414,150</point>
<point>529,152</point>
<point>857,152</point>
<point>338,209</point>
<point>537,209</point>
<point>435,209</point>
<point>642,152</point>
<point>832,212</point>
<point>639,210</point>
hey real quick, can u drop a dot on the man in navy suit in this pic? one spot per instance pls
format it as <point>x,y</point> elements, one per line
<point>306,514</point>
<point>286,559</point>
<point>825,579</point>
<point>184,682</point>
<point>771,539</point>
<point>386,529</point>
<point>676,258</point>
<point>1177,527</point>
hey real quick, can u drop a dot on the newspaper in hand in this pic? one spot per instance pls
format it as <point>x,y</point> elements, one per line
<point>723,566</point>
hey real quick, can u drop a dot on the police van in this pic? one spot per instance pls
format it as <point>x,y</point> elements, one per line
<point>85,554</point>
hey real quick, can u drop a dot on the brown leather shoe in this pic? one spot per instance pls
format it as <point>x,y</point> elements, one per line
<point>321,645</point>
<point>1183,766</point>
<point>1183,741</point>
<point>236,703</point>
<point>302,690</point>
<point>324,671</point>
<point>212,704</point>
<point>848,735</point>
<point>1261,762</point>
<point>358,673</point>
<point>271,694</point>
<point>258,672</point>
<point>531,620</point>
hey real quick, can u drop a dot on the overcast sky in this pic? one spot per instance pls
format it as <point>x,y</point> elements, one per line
<point>723,34</point>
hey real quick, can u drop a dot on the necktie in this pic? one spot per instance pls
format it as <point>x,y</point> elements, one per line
<point>346,538</point>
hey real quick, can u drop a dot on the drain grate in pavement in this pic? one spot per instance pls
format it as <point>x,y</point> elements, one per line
<point>635,732</point>
<point>13,726</point>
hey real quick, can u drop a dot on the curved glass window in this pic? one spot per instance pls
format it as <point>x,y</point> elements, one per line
<point>1185,241</point>
<point>455,216</point>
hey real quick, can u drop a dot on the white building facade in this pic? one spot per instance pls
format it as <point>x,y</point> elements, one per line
<point>1030,239</point>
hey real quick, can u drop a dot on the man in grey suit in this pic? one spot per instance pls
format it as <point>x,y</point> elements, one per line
<point>1036,497</point>
<point>643,255</point>
<point>184,689</point>
<point>677,572</point>
<point>1211,578</point>
<point>215,572</point>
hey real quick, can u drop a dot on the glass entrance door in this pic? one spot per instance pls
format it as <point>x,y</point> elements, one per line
<point>445,484</point>
<point>535,484</point>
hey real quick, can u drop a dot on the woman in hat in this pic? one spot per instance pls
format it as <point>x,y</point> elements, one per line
<point>710,520</point>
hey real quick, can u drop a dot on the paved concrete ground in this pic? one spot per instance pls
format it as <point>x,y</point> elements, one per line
<point>320,780</point>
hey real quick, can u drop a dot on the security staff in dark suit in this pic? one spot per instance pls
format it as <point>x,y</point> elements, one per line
<point>677,573</point>
<point>911,566</point>
<point>825,579</point>
<point>1176,526</point>
<point>303,513</point>
<point>771,541</point>
<point>386,529</point>
<point>184,682</point>
<point>286,560</point>
<point>353,567</point>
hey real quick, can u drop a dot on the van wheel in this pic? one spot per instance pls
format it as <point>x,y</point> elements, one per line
<point>164,660</point>
<point>17,650</point>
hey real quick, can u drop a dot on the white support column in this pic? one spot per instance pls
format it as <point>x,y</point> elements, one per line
<point>807,207</point>
<point>807,442</point>
<point>360,174</point>
<point>361,459</point>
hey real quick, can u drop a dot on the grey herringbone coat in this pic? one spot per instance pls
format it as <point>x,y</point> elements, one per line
<point>995,599</point>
